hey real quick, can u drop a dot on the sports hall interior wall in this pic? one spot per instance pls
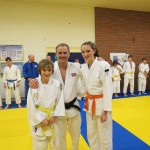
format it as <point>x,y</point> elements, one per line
<point>123,31</point>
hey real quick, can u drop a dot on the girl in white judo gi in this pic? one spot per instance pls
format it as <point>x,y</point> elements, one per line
<point>129,70</point>
<point>44,105</point>
<point>116,71</point>
<point>11,82</point>
<point>98,83</point>
<point>142,76</point>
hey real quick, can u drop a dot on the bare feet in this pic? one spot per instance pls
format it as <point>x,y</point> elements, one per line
<point>139,93</point>
<point>144,93</point>
<point>116,95</point>
<point>0,107</point>
<point>7,106</point>
<point>125,95</point>
<point>19,106</point>
<point>132,95</point>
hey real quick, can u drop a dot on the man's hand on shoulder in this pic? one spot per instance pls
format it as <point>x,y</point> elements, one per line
<point>34,84</point>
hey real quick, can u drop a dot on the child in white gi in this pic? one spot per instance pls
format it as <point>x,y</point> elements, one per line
<point>98,105</point>
<point>129,70</point>
<point>11,82</point>
<point>142,76</point>
<point>44,104</point>
<point>116,71</point>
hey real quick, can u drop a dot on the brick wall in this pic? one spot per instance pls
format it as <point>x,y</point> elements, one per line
<point>123,31</point>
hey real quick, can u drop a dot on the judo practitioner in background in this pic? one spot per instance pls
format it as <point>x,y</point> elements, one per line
<point>44,105</point>
<point>67,74</point>
<point>30,71</point>
<point>116,71</point>
<point>142,76</point>
<point>11,82</point>
<point>98,83</point>
<point>129,70</point>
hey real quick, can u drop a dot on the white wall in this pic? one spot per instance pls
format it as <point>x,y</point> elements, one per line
<point>37,26</point>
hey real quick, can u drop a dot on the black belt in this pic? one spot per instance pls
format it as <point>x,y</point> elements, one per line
<point>71,104</point>
<point>11,81</point>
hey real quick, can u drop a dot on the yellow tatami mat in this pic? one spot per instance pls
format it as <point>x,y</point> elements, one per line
<point>15,134</point>
<point>134,115</point>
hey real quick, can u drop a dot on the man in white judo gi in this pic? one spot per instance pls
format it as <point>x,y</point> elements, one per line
<point>67,74</point>
<point>142,76</point>
<point>129,70</point>
<point>11,82</point>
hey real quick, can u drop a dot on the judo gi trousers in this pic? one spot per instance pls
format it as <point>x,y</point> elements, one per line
<point>116,86</point>
<point>99,134</point>
<point>72,124</point>
<point>126,82</point>
<point>16,94</point>
<point>141,84</point>
<point>43,144</point>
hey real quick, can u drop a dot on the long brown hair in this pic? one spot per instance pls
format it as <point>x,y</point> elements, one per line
<point>93,46</point>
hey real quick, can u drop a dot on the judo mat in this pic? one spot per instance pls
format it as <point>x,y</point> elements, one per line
<point>15,132</point>
<point>131,126</point>
<point>134,115</point>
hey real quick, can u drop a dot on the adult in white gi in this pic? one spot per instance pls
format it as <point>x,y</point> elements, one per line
<point>67,74</point>
<point>129,70</point>
<point>11,81</point>
<point>43,105</point>
<point>116,71</point>
<point>142,76</point>
<point>98,105</point>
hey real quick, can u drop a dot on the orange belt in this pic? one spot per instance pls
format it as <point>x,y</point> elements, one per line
<point>92,97</point>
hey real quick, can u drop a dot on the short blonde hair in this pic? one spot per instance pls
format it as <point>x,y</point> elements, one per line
<point>44,63</point>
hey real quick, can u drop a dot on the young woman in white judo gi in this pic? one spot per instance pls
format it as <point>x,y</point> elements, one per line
<point>67,74</point>
<point>116,71</point>
<point>142,76</point>
<point>11,82</point>
<point>98,83</point>
<point>129,70</point>
<point>44,105</point>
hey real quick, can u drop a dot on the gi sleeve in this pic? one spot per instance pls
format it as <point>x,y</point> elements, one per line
<point>81,90</point>
<point>107,87</point>
<point>124,68</point>
<point>35,117</point>
<point>4,76</point>
<point>60,107</point>
<point>18,74</point>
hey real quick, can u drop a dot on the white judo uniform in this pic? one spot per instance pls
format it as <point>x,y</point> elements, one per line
<point>129,70</point>
<point>116,78</point>
<point>48,97</point>
<point>72,120</point>
<point>98,81</point>
<point>10,77</point>
<point>143,68</point>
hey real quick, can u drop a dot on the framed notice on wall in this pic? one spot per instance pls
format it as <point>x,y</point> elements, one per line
<point>13,51</point>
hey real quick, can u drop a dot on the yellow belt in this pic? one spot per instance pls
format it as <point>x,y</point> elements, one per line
<point>49,114</point>
<point>115,76</point>
<point>129,72</point>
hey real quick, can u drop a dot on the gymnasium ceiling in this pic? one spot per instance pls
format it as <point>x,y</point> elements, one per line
<point>140,5</point>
